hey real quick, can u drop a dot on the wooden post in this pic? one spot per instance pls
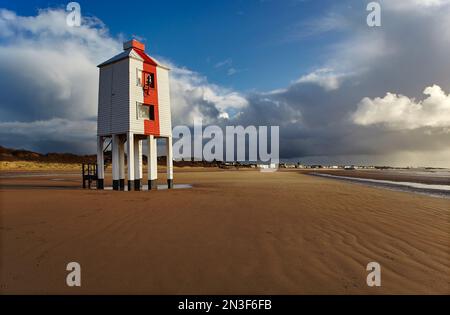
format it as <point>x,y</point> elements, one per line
<point>137,163</point>
<point>152,162</point>
<point>169,162</point>
<point>89,175</point>
<point>115,162</point>
<point>130,160</point>
<point>121,165</point>
<point>82,177</point>
<point>100,166</point>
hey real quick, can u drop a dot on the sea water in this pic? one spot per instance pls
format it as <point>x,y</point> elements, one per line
<point>428,189</point>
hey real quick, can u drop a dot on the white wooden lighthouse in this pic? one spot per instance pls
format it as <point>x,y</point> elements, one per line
<point>133,105</point>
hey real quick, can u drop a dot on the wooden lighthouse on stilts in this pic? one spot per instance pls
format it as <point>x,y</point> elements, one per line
<point>133,106</point>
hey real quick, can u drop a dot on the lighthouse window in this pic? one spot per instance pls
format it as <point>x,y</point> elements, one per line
<point>138,77</point>
<point>152,112</point>
<point>142,111</point>
<point>150,80</point>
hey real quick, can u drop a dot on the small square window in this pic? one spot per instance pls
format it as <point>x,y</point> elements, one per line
<point>142,111</point>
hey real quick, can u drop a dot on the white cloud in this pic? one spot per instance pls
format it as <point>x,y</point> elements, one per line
<point>232,71</point>
<point>49,80</point>
<point>48,69</point>
<point>401,112</point>
<point>408,5</point>
<point>194,97</point>
<point>331,22</point>
<point>324,77</point>
<point>226,62</point>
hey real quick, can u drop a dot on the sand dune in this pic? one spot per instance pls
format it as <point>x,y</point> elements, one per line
<point>235,232</point>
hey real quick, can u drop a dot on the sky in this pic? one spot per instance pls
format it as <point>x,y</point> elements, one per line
<point>341,91</point>
<point>215,38</point>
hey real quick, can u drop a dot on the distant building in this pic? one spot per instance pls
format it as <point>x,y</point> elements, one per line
<point>268,166</point>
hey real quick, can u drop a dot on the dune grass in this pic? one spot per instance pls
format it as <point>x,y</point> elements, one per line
<point>36,166</point>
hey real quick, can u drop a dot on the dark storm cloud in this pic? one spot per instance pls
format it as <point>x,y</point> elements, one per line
<point>407,54</point>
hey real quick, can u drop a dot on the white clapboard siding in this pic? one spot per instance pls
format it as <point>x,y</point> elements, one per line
<point>104,102</point>
<point>165,123</point>
<point>113,103</point>
<point>136,95</point>
<point>120,97</point>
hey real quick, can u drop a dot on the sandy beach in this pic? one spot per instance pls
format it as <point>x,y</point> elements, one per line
<point>234,232</point>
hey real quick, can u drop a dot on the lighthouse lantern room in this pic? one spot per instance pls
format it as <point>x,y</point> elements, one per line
<point>133,106</point>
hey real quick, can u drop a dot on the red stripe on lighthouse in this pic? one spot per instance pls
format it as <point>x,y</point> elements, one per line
<point>151,127</point>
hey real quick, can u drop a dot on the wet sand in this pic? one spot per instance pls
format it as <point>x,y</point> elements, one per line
<point>436,177</point>
<point>234,232</point>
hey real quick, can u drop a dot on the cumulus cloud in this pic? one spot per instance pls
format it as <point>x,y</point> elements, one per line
<point>48,68</point>
<point>49,79</point>
<point>49,83</point>
<point>193,97</point>
<point>402,112</point>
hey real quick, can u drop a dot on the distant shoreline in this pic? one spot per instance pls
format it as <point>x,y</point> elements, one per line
<point>436,187</point>
<point>419,175</point>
